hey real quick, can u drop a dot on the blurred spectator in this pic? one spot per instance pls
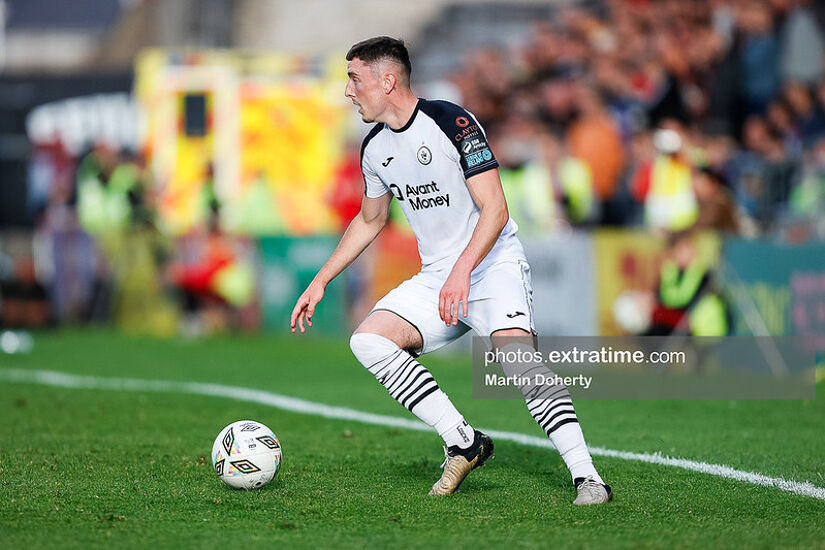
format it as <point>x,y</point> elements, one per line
<point>782,124</point>
<point>217,285</point>
<point>104,181</point>
<point>758,55</point>
<point>717,207</point>
<point>686,301</point>
<point>594,139</point>
<point>23,300</point>
<point>137,259</point>
<point>665,185</point>
<point>803,47</point>
<point>808,116</point>
<point>807,200</point>
<point>763,172</point>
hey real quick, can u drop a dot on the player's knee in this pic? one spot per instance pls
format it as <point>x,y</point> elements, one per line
<point>514,336</point>
<point>370,348</point>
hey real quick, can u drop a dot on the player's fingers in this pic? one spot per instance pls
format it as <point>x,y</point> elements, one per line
<point>448,309</point>
<point>455,306</point>
<point>441,301</point>
<point>301,321</point>
<point>310,312</point>
<point>299,305</point>
<point>294,317</point>
<point>464,301</point>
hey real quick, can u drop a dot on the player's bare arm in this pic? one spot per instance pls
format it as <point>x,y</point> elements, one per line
<point>488,195</point>
<point>363,229</point>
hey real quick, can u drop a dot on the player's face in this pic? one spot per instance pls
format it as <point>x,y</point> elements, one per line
<point>364,90</point>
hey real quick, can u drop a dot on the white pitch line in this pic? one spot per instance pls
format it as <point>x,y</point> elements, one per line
<point>292,404</point>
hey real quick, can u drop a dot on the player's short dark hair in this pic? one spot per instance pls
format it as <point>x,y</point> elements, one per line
<point>382,47</point>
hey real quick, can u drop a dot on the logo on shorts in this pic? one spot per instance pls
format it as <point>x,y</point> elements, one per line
<point>424,155</point>
<point>514,315</point>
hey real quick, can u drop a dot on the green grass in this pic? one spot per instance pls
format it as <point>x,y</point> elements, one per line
<point>81,467</point>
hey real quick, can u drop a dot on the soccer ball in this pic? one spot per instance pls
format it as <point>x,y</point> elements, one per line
<point>246,455</point>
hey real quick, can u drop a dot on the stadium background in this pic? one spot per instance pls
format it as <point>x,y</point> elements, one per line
<point>180,169</point>
<point>221,115</point>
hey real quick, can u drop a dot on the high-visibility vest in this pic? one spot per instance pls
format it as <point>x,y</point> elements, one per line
<point>102,208</point>
<point>670,203</point>
<point>577,184</point>
<point>679,289</point>
<point>531,193</point>
<point>709,317</point>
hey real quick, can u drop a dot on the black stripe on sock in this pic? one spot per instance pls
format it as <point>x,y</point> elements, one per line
<point>410,395</point>
<point>540,418</point>
<point>389,362</point>
<point>560,424</point>
<point>547,422</point>
<point>401,376</point>
<point>424,394</point>
<point>535,405</point>
<point>393,377</point>
<point>399,392</point>
<point>539,395</point>
<point>543,406</point>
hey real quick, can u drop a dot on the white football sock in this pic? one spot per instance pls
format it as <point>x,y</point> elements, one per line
<point>412,385</point>
<point>552,408</point>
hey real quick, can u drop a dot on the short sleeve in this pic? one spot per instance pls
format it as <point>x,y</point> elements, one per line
<point>465,134</point>
<point>373,186</point>
<point>473,149</point>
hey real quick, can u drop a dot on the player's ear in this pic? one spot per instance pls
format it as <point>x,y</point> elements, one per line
<point>388,82</point>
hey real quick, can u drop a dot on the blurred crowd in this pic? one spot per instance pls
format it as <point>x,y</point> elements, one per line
<point>674,115</point>
<point>101,254</point>
<point>671,114</point>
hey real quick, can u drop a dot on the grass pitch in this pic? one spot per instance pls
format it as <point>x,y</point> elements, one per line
<point>95,467</point>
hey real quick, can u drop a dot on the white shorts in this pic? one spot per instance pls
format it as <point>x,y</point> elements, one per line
<point>500,298</point>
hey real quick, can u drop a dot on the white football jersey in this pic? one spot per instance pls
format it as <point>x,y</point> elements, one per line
<point>425,165</point>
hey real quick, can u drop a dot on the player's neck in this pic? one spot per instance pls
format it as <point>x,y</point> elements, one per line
<point>400,109</point>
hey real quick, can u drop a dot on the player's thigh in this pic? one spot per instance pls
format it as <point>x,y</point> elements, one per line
<point>393,327</point>
<point>416,302</point>
<point>501,301</point>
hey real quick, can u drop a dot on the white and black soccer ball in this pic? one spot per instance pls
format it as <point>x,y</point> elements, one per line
<point>246,455</point>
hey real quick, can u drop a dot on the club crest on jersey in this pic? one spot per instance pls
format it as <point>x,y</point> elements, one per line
<point>424,155</point>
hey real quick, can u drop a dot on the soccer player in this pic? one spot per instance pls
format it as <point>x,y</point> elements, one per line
<point>433,157</point>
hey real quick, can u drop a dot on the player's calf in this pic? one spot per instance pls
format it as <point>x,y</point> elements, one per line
<point>552,408</point>
<point>412,385</point>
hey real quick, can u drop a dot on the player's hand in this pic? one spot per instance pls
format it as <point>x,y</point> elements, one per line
<point>305,306</point>
<point>454,294</point>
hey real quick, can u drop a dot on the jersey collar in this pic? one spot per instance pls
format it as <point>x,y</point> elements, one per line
<point>412,118</point>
